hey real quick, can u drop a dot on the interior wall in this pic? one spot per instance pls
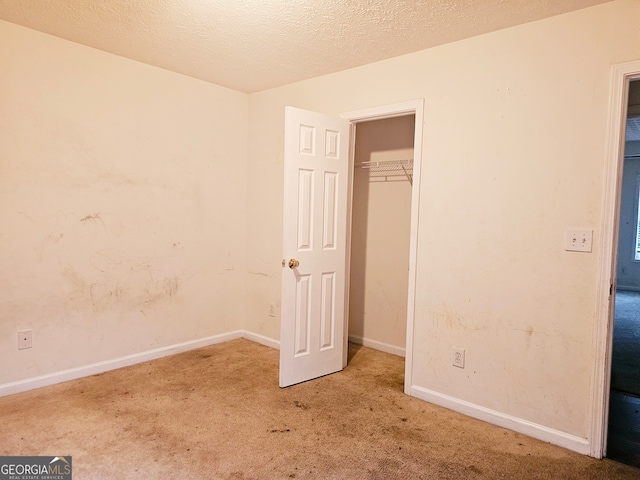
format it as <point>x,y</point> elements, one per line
<point>628,268</point>
<point>122,199</point>
<point>514,147</point>
<point>381,215</point>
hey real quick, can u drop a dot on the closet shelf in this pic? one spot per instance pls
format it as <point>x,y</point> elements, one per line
<point>389,168</point>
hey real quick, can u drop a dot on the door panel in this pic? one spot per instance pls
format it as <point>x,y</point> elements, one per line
<point>303,314</point>
<point>316,169</point>
<point>327,315</point>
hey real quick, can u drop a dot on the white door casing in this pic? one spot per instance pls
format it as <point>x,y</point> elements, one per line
<point>621,75</point>
<point>316,186</point>
<point>412,107</point>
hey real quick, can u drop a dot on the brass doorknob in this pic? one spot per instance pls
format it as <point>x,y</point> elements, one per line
<point>293,263</point>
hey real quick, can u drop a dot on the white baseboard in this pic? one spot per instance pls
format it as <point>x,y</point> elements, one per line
<point>546,434</point>
<point>261,339</point>
<point>100,367</point>
<point>383,347</point>
<point>556,437</point>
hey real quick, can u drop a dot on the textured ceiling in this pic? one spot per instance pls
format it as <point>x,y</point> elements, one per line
<point>252,45</point>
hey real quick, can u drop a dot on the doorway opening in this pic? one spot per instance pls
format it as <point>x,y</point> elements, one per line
<point>386,146</point>
<point>380,227</point>
<point>623,444</point>
<point>622,75</point>
<point>314,330</point>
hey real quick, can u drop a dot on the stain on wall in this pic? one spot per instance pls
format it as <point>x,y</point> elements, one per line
<point>122,196</point>
<point>128,282</point>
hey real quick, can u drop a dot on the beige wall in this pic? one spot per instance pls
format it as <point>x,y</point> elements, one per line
<point>122,198</point>
<point>380,236</point>
<point>514,141</point>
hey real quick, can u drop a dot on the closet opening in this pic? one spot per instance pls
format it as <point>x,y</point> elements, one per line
<point>380,233</point>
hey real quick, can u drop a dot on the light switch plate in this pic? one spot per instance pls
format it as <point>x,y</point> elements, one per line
<point>579,240</point>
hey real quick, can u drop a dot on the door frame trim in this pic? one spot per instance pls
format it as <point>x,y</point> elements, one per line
<point>621,76</point>
<point>413,107</point>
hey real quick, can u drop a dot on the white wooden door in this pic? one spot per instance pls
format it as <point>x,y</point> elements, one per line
<point>316,180</point>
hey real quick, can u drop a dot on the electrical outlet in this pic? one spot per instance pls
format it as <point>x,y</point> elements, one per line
<point>457,357</point>
<point>272,310</point>
<point>25,339</point>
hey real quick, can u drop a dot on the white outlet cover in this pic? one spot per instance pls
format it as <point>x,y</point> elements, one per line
<point>457,357</point>
<point>25,339</point>
<point>579,240</point>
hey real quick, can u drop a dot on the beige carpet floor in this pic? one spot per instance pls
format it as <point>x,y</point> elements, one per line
<point>217,413</point>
